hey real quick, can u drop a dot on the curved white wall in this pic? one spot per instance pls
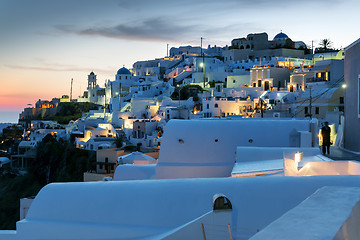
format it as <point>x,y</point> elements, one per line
<point>207,148</point>
<point>139,209</point>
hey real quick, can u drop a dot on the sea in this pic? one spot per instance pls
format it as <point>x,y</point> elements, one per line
<point>9,116</point>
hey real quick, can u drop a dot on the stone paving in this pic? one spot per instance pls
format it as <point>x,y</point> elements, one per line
<point>337,153</point>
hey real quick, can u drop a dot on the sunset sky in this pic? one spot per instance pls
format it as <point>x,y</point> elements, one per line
<point>43,43</point>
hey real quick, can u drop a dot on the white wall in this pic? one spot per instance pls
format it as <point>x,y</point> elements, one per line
<point>234,81</point>
<point>140,209</point>
<point>329,213</point>
<point>25,204</point>
<point>209,146</point>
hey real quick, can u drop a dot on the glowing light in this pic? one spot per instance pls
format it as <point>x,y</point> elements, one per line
<point>201,64</point>
<point>344,85</point>
<point>298,157</point>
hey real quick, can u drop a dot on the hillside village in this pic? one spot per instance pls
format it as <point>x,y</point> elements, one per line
<point>254,77</point>
<point>197,101</point>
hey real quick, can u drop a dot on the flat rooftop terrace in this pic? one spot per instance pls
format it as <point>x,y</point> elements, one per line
<point>340,154</point>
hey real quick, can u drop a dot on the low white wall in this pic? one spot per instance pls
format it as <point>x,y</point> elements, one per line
<point>213,225</point>
<point>249,154</point>
<point>329,213</point>
<point>8,235</point>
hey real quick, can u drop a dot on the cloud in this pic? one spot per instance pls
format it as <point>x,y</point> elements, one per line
<point>178,22</point>
<point>216,5</point>
<point>158,30</point>
<point>152,29</point>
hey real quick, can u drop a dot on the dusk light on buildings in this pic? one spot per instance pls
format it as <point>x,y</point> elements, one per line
<point>179,120</point>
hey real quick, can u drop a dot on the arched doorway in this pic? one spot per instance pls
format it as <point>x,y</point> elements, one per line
<point>221,202</point>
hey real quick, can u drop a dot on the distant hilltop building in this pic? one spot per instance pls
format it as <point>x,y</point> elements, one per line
<point>94,93</point>
<point>196,51</point>
<point>257,46</point>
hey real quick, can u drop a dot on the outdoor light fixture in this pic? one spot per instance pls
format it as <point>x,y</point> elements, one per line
<point>298,158</point>
<point>344,85</point>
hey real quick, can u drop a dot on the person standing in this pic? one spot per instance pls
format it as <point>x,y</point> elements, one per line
<point>325,133</point>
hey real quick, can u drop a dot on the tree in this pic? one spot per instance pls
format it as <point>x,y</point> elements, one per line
<point>59,161</point>
<point>186,92</point>
<point>325,44</point>
<point>119,141</point>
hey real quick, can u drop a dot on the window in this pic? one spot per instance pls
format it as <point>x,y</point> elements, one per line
<point>317,110</point>
<point>306,110</point>
<point>106,160</point>
<point>233,81</point>
<point>341,100</point>
<point>290,110</point>
<point>207,106</point>
<point>216,105</point>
